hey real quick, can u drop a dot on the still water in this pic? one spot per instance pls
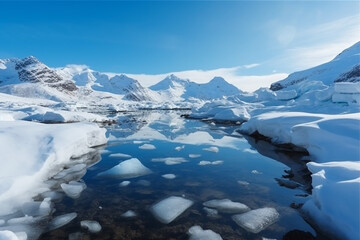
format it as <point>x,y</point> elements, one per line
<point>215,163</point>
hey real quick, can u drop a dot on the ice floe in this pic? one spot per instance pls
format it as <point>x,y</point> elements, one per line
<point>169,176</point>
<point>217,162</point>
<point>256,220</point>
<point>127,169</point>
<point>210,212</point>
<point>91,226</point>
<point>168,209</point>
<point>119,155</point>
<point>212,149</point>
<point>194,155</point>
<point>147,146</point>
<point>197,233</point>
<point>226,206</point>
<point>179,148</point>
<point>170,160</point>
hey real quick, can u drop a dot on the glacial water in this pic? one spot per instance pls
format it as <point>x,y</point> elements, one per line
<point>215,163</point>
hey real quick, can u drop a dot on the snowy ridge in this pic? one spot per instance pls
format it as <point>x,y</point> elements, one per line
<point>343,68</point>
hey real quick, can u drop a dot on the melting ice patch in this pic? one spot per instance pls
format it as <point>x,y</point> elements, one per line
<point>194,155</point>
<point>147,146</point>
<point>227,206</point>
<point>170,160</point>
<point>197,233</point>
<point>124,183</point>
<point>179,148</point>
<point>212,149</point>
<point>256,220</point>
<point>170,208</point>
<point>127,169</point>
<point>92,226</point>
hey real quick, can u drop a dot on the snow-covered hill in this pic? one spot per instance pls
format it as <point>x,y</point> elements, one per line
<point>173,87</point>
<point>345,67</point>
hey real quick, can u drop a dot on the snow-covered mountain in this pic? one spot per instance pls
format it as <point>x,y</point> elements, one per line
<point>173,87</point>
<point>345,67</point>
<point>107,82</point>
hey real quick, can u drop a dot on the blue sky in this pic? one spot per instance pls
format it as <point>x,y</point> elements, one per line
<point>154,37</point>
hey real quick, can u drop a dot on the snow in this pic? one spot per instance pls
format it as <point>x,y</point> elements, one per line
<point>256,220</point>
<point>45,151</point>
<point>197,233</point>
<point>168,209</point>
<point>92,226</point>
<point>226,206</point>
<point>335,197</point>
<point>127,169</point>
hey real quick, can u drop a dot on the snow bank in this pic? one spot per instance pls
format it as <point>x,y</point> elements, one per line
<point>45,150</point>
<point>318,133</point>
<point>336,197</point>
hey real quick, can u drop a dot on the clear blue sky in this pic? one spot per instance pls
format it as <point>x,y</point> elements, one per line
<point>165,36</point>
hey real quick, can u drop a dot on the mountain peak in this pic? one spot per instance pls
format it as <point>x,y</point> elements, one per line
<point>218,80</point>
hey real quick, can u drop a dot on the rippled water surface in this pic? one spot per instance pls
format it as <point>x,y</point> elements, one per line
<point>240,174</point>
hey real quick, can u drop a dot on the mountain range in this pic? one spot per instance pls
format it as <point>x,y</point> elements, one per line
<point>29,77</point>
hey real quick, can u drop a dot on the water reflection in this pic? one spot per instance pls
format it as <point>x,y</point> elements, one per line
<point>234,170</point>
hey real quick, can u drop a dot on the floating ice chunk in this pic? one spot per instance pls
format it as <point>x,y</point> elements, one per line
<point>212,149</point>
<point>128,214</point>
<point>120,155</point>
<point>92,226</point>
<point>61,220</point>
<point>147,146</point>
<point>243,183</point>
<point>256,220</point>
<point>194,155</point>
<point>138,142</point>
<point>127,169</point>
<point>37,208</point>
<point>73,189</point>
<point>144,183</point>
<point>169,176</point>
<point>227,206</point>
<point>256,172</point>
<point>347,87</point>
<point>179,148</point>
<point>203,163</point>
<point>170,208</point>
<point>264,238</point>
<point>197,233</point>
<point>249,150</point>
<point>53,195</point>
<point>124,183</point>
<point>170,160</point>
<point>21,220</point>
<point>211,212</point>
